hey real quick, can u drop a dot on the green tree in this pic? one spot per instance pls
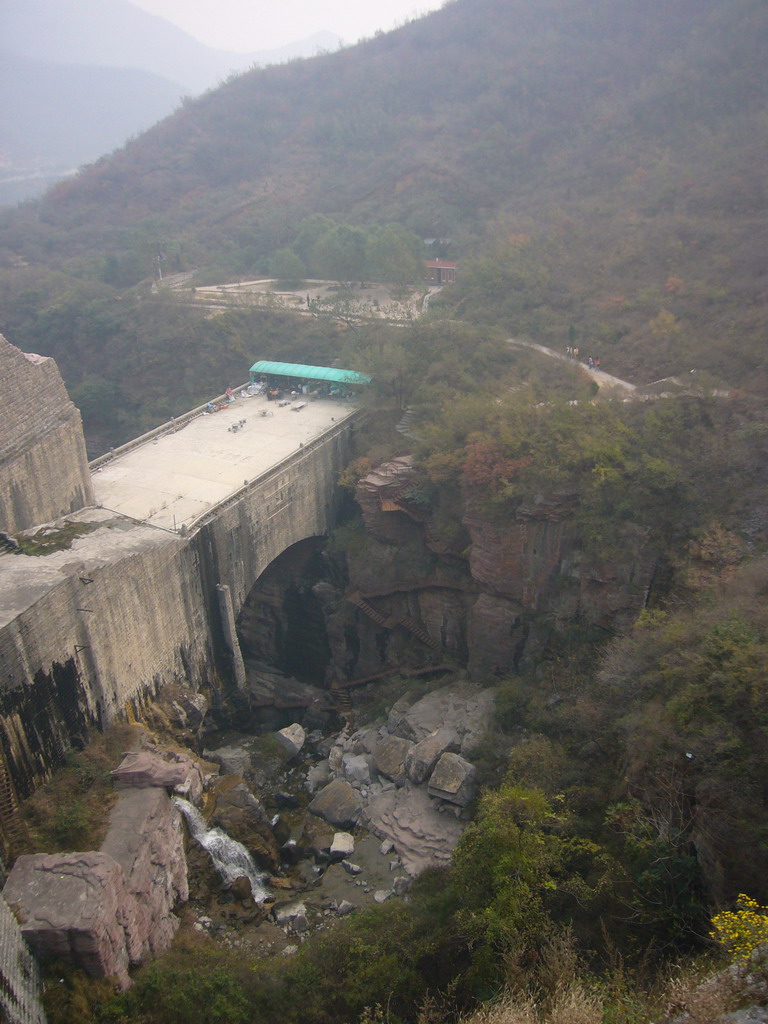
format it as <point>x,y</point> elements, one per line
<point>285,265</point>
<point>340,254</point>
<point>395,255</point>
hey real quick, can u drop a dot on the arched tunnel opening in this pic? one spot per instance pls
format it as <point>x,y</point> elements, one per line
<point>282,625</point>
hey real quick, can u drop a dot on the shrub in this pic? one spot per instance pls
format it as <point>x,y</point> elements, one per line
<point>742,930</point>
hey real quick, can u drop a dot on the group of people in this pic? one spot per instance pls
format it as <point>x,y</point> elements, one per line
<point>572,352</point>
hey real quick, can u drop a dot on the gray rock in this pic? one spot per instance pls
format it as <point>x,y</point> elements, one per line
<point>357,768</point>
<point>401,885</point>
<point>386,847</point>
<point>350,868</point>
<point>424,755</point>
<point>408,818</point>
<point>454,780</point>
<point>189,709</point>
<point>390,758</point>
<point>335,760</point>
<point>232,760</point>
<point>318,776</point>
<point>342,846</point>
<point>344,908</point>
<point>382,895</point>
<point>397,722</point>
<point>338,803</point>
<point>286,913</point>
<point>461,707</point>
<point>290,740</point>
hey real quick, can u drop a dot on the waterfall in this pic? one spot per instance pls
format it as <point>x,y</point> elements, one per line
<point>230,858</point>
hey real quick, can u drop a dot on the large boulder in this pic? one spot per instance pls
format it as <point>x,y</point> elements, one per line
<point>357,768</point>
<point>397,721</point>
<point>454,779</point>
<point>107,910</point>
<point>390,758</point>
<point>423,756</point>
<point>343,846</point>
<point>290,740</point>
<point>142,769</point>
<point>188,710</point>
<point>77,906</point>
<point>146,837</point>
<point>338,803</point>
<point>461,707</point>
<point>242,817</point>
<point>232,760</point>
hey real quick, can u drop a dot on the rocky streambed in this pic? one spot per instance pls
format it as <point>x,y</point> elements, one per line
<point>286,832</point>
<point>337,822</point>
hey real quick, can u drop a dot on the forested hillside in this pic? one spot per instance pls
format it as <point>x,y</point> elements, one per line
<point>598,169</point>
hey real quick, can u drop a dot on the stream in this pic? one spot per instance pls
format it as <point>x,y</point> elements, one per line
<point>230,858</point>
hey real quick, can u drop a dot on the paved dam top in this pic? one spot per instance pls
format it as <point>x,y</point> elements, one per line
<point>176,478</point>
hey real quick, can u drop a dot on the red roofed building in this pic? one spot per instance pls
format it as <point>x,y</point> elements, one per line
<point>441,271</point>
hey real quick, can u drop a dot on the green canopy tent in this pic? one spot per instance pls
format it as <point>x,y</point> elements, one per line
<point>287,374</point>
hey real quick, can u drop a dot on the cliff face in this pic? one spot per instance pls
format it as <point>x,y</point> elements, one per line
<point>414,600</point>
<point>43,465</point>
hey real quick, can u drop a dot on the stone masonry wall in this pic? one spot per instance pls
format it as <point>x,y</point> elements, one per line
<point>78,655</point>
<point>43,466</point>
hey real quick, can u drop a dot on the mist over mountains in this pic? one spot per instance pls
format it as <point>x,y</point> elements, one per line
<point>600,166</point>
<point>78,79</point>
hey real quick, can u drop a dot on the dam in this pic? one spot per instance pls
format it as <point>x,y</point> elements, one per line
<point>141,584</point>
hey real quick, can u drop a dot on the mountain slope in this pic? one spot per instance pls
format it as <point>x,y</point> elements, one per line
<point>604,161</point>
<point>459,112</point>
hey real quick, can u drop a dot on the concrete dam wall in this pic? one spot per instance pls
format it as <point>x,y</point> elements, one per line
<point>130,607</point>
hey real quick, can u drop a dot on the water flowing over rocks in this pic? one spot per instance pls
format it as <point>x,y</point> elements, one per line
<point>242,816</point>
<point>231,859</point>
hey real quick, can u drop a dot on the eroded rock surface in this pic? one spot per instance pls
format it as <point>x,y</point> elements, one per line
<point>106,910</point>
<point>410,819</point>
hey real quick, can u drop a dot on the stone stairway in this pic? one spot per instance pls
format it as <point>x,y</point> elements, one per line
<point>420,633</point>
<point>341,702</point>
<point>391,622</point>
<point>404,426</point>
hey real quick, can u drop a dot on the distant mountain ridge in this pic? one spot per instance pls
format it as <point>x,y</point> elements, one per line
<point>599,165</point>
<point>116,33</point>
<point>79,78</point>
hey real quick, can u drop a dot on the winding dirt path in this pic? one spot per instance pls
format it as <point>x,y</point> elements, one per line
<point>603,380</point>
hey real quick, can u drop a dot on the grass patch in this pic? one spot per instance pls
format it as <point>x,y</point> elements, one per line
<point>48,539</point>
<point>71,812</point>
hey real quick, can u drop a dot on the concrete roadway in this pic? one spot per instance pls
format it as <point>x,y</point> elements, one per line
<point>177,478</point>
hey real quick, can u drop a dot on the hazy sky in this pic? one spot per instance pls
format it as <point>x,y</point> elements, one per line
<point>245,25</point>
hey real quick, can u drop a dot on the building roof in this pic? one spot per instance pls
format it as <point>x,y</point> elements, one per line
<point>310,372</point>
<point>445,264</point>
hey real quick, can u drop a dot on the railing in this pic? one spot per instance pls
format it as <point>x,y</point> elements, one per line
<point>174,424</point>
